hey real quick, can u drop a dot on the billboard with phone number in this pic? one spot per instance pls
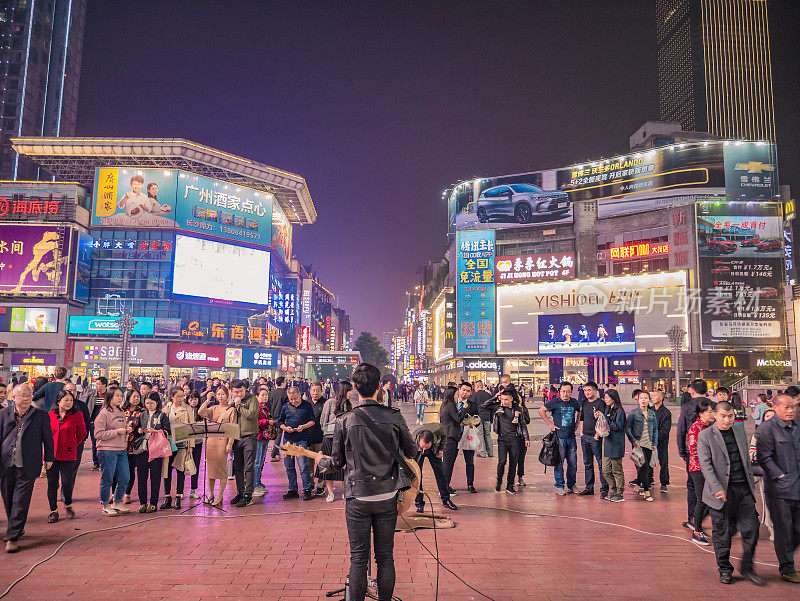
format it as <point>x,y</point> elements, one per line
<point>475,292</point>
<point>170,199</point>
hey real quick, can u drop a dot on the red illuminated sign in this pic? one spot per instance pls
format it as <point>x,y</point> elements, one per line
<point>305,338</point>
<point>641,249</point>
<point>28,207</point>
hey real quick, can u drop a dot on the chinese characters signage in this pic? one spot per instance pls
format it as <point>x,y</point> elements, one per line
<point>192,355</point>
<point>33,259</point>
<point>638,249</point>
<point>526,268</point>
<point>475,291</point>
<point>23,207</point>
<point>175,199</point>
<point>740,268</point>
<point>751,170</point>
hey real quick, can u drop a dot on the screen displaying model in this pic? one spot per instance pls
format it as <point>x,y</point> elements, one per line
<point>215,270</point>
<point>577,334</point>
<point>33,319</point>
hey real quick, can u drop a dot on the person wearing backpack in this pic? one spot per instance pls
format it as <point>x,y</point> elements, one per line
<point>512,433</point>
<point>613,444</point>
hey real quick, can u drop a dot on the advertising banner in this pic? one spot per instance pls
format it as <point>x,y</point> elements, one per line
<point>529,268</point>
<point>281,233</point>
<point>139,353</point>
<point>729,361</point>
<point>83,267</point>
<point>34,259</point>
<point>751,171</point>
<point>167,326</point>
<point>195,355</point>
<point>576,310</point>
<point>641,181</point>
<point>740,269</point>
<point>475,292</point>
<point>222,209</point>
<point>33,319</point>
<point>515,200</point>
<point>81,324</point>
<point>18,359</point>
<point>259,359</point>
<point>135,198</point>
<point>577,334</point>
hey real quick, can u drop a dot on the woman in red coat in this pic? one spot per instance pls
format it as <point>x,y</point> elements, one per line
<point>69,430</point>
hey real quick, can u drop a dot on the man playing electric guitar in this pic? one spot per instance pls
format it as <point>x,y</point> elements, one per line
<point>370,440</point>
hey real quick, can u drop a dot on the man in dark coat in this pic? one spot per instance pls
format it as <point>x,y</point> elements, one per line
<point>26,437</point>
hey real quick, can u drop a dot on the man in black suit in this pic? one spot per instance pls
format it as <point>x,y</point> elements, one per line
<point>778,453</point>
<point>25,436</point>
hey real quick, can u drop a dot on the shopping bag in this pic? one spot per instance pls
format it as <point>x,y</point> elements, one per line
<point>158,446</point>
<point>471,439</point>
<point>189,467</point>
<point>601,426</point>
<point>637,456</point>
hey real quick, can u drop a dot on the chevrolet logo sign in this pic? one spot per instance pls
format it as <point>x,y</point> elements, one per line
<point>754,167</point>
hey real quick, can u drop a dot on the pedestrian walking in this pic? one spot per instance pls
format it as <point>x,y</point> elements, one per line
<point>564,411</point>
<point>643,434</point>
<point>729,492</point>
<point>695,392</point>
<point>421,399</point>
<point>778,453</point>
<point>705,417</point>
<point>664,420</point>
<point>26,438</point>
<point>479,398</point>
<point>69,430</point>
<point>510,427</point>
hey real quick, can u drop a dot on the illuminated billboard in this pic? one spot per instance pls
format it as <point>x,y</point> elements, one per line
<point>525,312</point>
<point>475,300</point>
<point>444,318</point>
<point>170,199</point>
<point>215,270</point>
<point>640,181</point>
<point>34,259</point>
<point>32,319</point>
<point>577,334</point>
<point>740,268</point>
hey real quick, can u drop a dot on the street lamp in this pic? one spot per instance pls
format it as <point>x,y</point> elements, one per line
<point>126,324</point>
<point>676,335</point>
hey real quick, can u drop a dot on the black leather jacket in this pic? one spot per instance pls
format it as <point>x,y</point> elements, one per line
<point>371,470</point>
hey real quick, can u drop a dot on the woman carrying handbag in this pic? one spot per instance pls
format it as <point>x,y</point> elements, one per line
<point>151,431</point>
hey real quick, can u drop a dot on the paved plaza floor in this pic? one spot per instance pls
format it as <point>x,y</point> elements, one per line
<point>532,545</point>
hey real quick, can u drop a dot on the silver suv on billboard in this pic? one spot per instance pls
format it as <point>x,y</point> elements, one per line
<point>521,203</point>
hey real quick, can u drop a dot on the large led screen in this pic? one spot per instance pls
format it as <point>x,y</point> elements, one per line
<point>576,334</point>
<point>215,270</point>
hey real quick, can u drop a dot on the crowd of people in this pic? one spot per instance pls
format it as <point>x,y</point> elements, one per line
<point>135,433</point>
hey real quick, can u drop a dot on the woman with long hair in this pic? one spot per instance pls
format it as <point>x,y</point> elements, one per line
<point>217,449</point>
<point>150,420</point>
<point>613,445</point>
<point>739,410</point>
<point>69,430</point>
<point>133,408</point>
<point>333,408</point>
<point>193,402</point>
<point>643,433</point>
<point>110,431</point>
<point>178,413</point>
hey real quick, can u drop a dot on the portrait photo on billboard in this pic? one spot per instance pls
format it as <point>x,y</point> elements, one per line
<point>34,260</point>
<point>33,319</point>
<point>740,229</point>
<point>135,197</point>
<point>575,334</point>
<point>509,201</point>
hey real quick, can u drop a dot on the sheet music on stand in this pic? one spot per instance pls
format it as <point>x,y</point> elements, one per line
<point>204,429</point>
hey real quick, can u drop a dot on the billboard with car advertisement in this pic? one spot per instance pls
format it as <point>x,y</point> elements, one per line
<point>645,305</point>
<point>518,200</point>
<point>740,272</point>
<point>169,199</point>
<point>475,300</point>
<point>641,181</point>
<point>34,259</point>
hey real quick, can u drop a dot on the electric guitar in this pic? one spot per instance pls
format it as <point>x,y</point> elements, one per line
<point>405,498</point>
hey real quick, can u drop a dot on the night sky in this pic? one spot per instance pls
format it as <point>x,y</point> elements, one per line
<point>383,105</point>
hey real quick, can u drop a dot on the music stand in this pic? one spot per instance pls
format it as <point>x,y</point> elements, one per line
<point>204,430</point>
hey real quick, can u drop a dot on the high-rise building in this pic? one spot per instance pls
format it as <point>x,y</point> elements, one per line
<point>41,44</point>
<point>714,71</point>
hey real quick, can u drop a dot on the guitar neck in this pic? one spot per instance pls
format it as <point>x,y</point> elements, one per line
<point>298,451</point>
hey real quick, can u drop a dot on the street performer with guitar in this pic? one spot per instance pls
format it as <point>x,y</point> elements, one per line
<point>371,440</point>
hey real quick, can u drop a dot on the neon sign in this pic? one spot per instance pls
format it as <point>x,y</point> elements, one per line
<point>639,249</point>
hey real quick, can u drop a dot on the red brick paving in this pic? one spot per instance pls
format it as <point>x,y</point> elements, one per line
<point>527,546</point>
